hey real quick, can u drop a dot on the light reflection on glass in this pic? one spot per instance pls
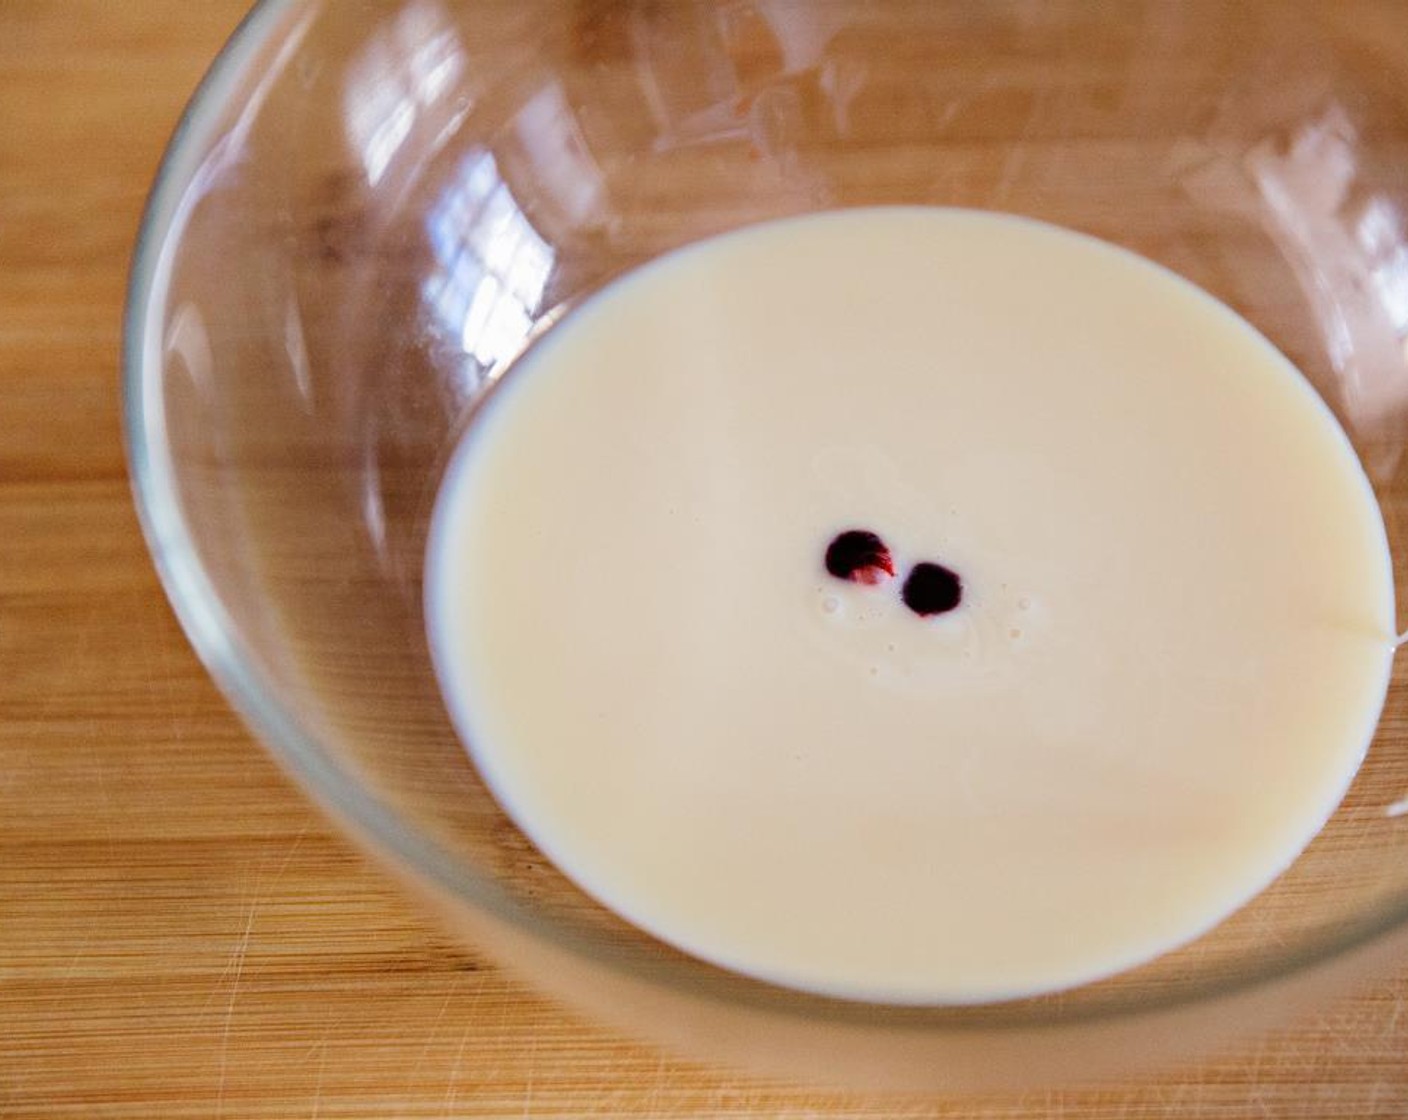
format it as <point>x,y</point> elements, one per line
<point>373,504</point>
<point>1350,258</point>
<point>409,66</point>
<point>686,75</point>
<point>766,74</point>
<point>548,135</point>
<point>1381,233</point>
<point>1346,250</point>
<point>701,66</point>
<point>492,265</point>
<point>296,347</point>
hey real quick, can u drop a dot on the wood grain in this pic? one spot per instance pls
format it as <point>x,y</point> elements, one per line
<point>180,934</point>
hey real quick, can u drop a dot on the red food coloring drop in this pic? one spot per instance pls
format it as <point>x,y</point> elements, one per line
<point>932,589</point>
<point>859,556</point>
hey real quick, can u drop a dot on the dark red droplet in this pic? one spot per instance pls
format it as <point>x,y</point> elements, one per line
<point>860,556</point>
<point>932,589</point>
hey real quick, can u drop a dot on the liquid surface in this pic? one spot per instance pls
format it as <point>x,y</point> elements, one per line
<point>1170,652</point>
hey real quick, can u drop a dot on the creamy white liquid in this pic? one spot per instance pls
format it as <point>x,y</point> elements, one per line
<point>1171,655</point>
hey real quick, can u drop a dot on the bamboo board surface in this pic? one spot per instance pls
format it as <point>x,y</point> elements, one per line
<point>181,934</point>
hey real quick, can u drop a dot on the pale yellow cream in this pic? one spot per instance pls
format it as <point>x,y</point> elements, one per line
<point>1170,659</point>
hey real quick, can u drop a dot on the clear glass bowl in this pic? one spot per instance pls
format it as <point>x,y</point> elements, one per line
<point>370,209</point>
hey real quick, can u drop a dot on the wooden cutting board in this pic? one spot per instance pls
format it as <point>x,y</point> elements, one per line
<point>180,934</point>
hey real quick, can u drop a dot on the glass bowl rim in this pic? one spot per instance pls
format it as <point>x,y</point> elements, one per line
<point>377,828</point>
